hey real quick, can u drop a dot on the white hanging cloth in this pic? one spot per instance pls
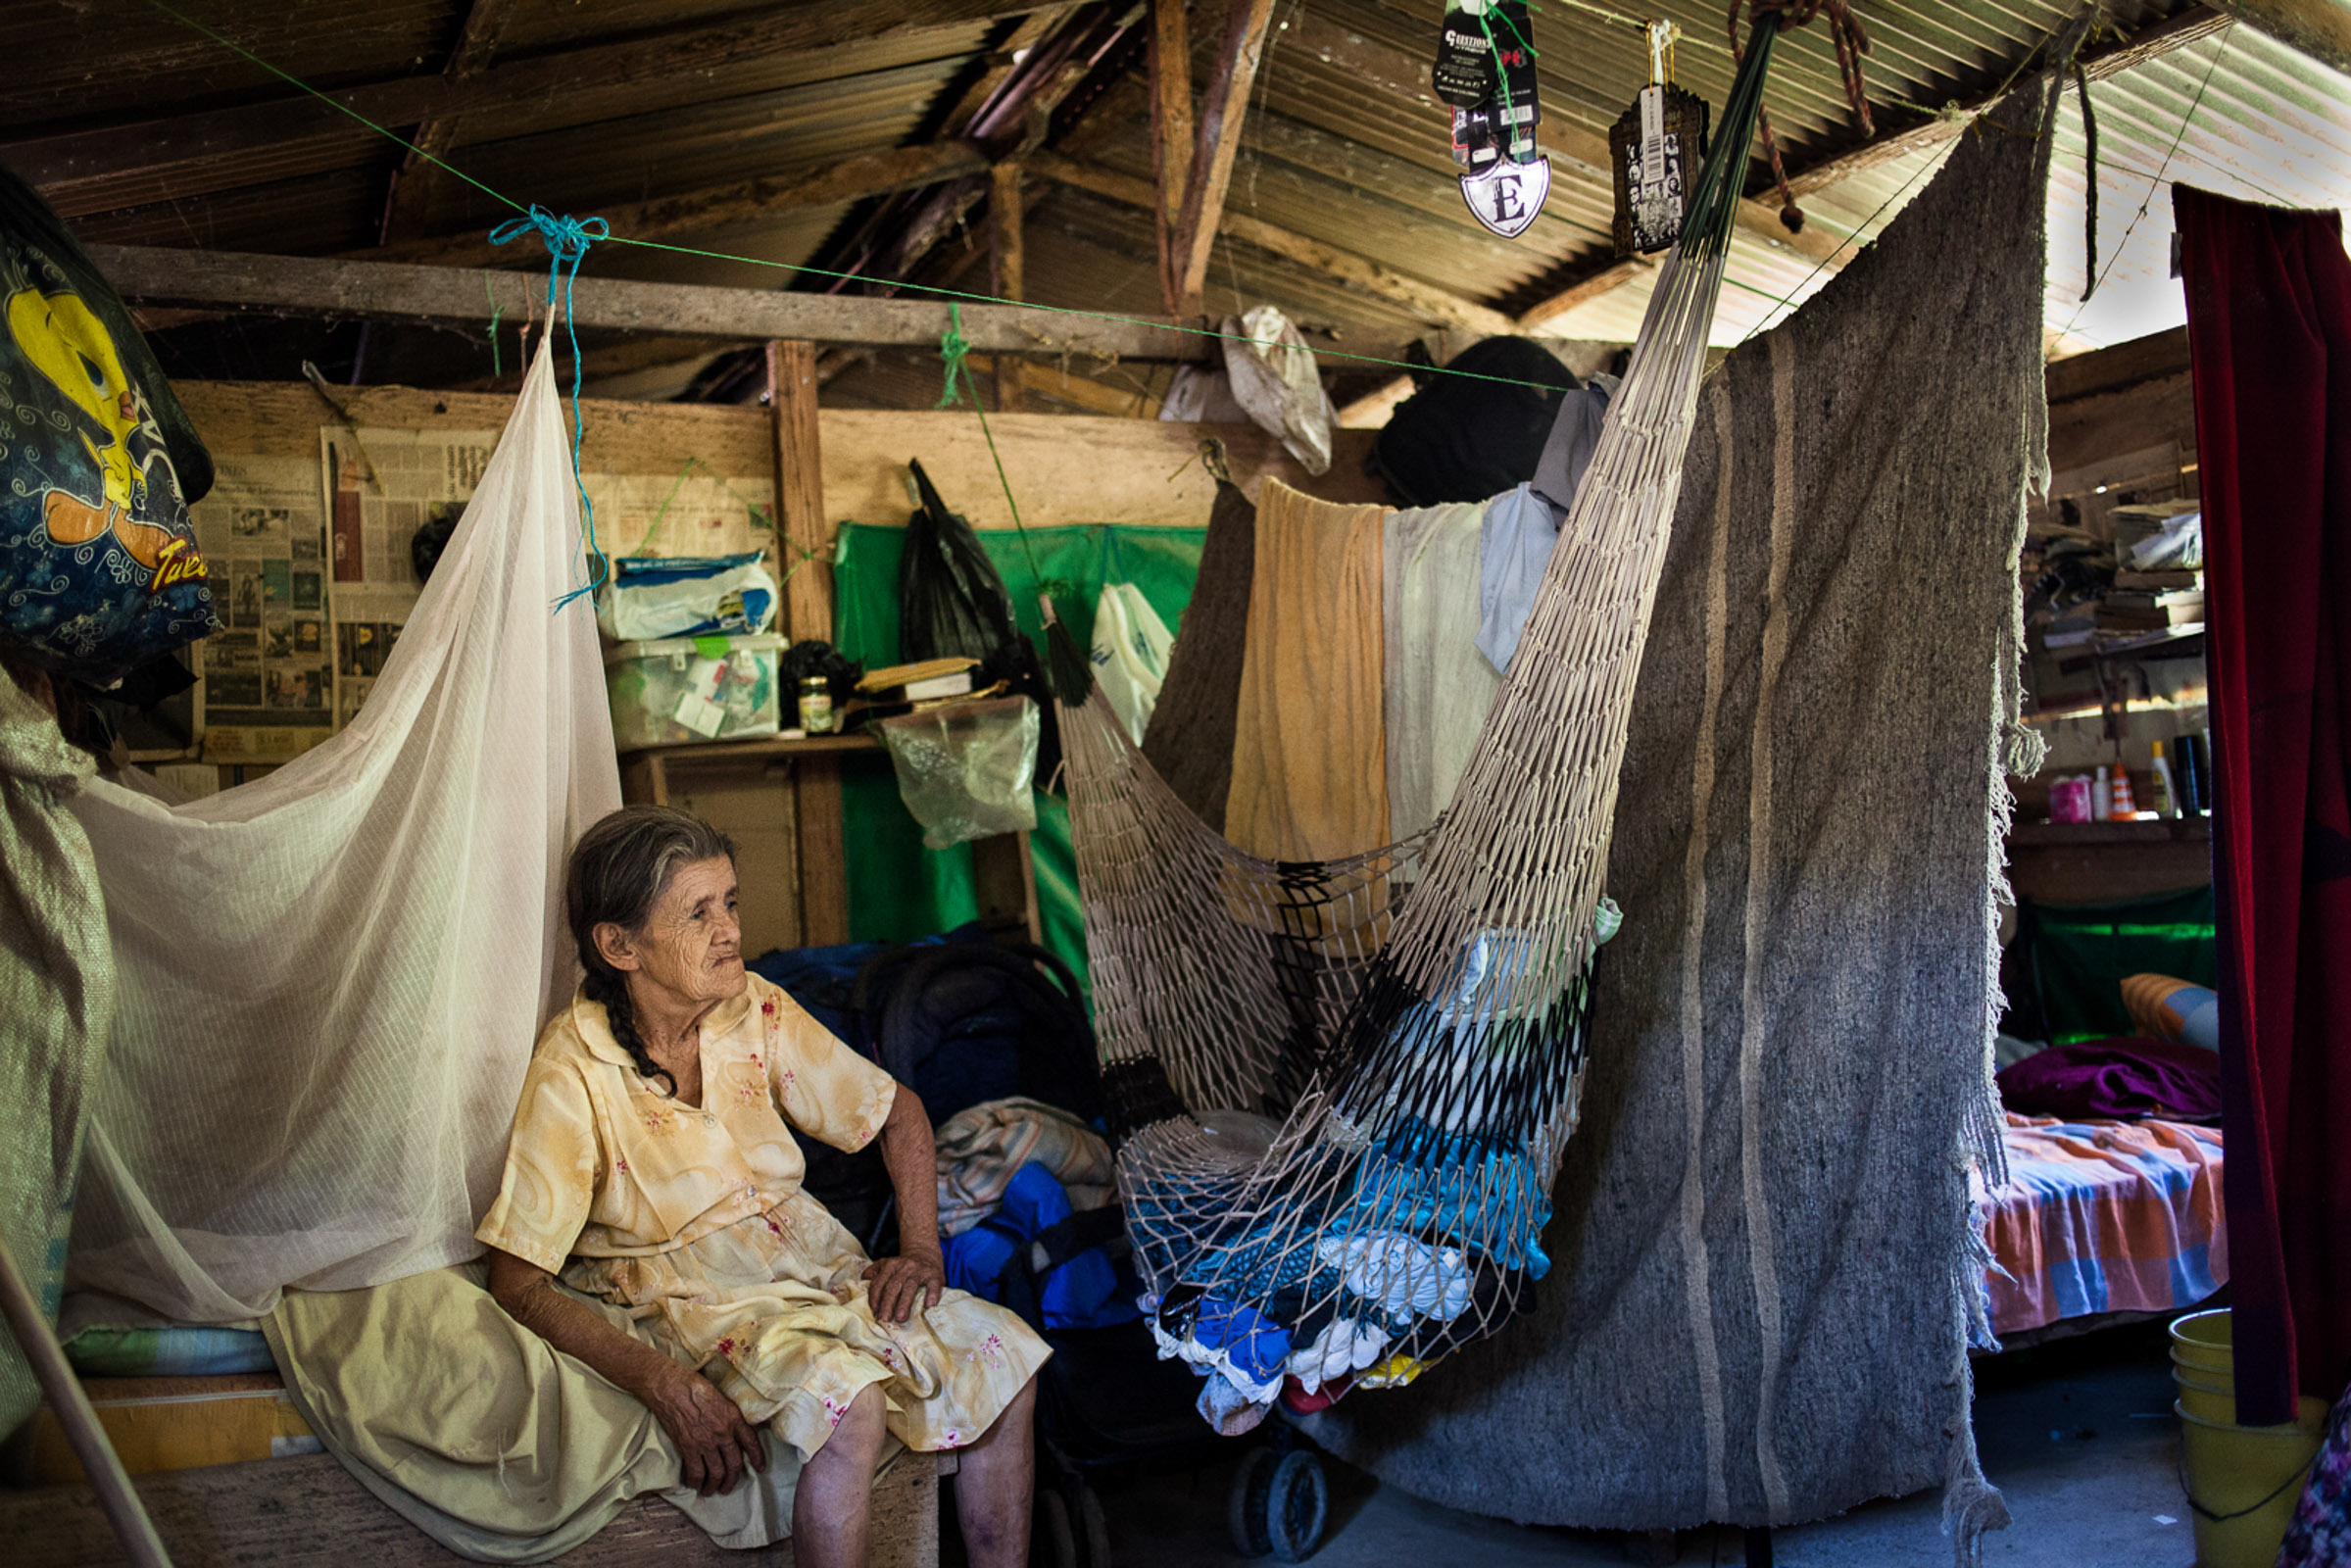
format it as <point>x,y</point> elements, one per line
<point>331,978</point>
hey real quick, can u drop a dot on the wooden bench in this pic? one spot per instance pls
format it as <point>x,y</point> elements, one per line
<point>307,1512</point>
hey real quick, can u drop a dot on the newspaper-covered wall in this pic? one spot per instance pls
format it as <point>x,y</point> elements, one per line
<point>266,688</point>
<point>316,563</point>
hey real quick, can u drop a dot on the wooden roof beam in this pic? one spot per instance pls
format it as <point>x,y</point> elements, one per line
<point>383,291</point>
<point>206,151</point>
<point>1216,142</point>
<point>411,181</point>
<point>1917,136</point>
<point>715,208</point>
<point>1430,303</point>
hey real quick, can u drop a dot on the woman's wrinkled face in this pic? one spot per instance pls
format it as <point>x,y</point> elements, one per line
<point>691,945</point>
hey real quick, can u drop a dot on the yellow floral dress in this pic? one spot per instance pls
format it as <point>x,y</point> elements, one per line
<point>696,1221</point>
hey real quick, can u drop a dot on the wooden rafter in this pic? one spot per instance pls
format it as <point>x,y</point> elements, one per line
<point>383,291</point>
<point>716,208</point>
<point>412,180</point>
<point>1438,305</point>
<point>212,149</point>
<point>1216,142</point>
<point>1006,264</point>
<point>1171,67</point>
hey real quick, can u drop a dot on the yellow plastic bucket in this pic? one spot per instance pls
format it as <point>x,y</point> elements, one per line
<point>2204,1341</point>
<point>2242,1483</point>
<point>2206,1401</point>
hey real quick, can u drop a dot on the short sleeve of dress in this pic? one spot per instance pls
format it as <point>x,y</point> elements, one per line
<point>552,1163</point>
<point>825,1089</point>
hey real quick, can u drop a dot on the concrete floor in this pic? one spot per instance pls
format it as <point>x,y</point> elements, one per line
<point>2078,1435</point>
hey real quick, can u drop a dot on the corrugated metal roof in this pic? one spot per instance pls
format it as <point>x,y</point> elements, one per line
<point>1343,155</point>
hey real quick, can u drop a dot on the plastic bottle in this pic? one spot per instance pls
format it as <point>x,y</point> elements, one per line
<point>2125,805</point>
<point>2166,795</point>
<point>2101,797</point>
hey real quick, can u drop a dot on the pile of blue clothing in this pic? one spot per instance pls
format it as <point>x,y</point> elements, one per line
<point>1088,1291</point>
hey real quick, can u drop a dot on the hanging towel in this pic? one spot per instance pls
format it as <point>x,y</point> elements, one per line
<point>1190,739</point>
<point>1515,549</point>
<point>1310,754</point>
<point>1437,686</point>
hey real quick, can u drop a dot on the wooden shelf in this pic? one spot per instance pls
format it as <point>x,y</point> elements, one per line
<point>2162,830</point>
<point>764,747</point>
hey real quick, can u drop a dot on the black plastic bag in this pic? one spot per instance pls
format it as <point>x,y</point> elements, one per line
<point>1464,437</point>
<point>952,603</point>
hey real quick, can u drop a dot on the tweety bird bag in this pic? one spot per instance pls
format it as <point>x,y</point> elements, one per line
<point>99,572</point>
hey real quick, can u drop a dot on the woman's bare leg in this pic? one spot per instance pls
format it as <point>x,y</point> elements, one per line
<point>832,1511</point>
<point>994,1480</point>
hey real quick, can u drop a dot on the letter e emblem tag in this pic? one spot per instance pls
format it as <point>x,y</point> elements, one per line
<point>1506,196</point>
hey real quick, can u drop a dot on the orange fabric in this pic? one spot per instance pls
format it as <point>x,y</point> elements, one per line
<point>1309,748</point>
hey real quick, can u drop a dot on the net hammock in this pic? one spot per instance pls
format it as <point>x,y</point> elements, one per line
<point>1416,1016</point>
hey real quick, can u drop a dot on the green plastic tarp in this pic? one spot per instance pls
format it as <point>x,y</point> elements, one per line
<point>2081,952</point>
<point>898,890</point>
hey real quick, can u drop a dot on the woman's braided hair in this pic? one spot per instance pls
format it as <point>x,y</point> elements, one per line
<point>617,872</point>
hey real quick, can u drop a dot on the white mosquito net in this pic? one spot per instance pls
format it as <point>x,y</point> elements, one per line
<point>330,979</point>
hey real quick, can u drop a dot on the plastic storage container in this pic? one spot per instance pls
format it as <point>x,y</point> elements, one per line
<point>688,689</point>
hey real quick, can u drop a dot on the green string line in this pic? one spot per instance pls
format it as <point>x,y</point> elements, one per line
<point>950,294</point>
<point>337,105</point>
<point>955,350</point>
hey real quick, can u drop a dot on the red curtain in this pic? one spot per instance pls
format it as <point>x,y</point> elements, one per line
<point>2268,322</point>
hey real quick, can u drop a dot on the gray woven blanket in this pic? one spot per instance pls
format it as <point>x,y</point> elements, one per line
<point>1765,1267</point>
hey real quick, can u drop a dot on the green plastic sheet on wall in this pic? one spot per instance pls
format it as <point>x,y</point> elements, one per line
<point>2081,952</point>
<point>898,890</point>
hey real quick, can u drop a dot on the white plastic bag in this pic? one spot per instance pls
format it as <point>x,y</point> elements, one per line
<point>647,599</point>
<point>1274,377</point>
<point>967,770</point>
<point>1130,651</point>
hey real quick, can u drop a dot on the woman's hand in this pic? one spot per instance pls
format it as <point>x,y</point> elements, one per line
<point>901,1285</point>
<point>714,1442</point>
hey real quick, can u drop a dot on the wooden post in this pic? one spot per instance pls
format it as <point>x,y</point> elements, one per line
<point>116,1495</point>
<point>1171,137</point>
<point>808,614</point>
<point>1004,266</point>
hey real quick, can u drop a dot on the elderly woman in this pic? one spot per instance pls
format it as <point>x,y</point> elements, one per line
<point>651,1166</point>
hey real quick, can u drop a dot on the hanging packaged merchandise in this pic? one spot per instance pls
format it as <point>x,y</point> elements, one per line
<point>1464,72</point>
<point>647,598</point>
<point>1655,148</point>
<point>966,770</point>
<point>1508,179</point>
<point>1507,197</point>
<point>1516,101</point>
<point>99,571</point>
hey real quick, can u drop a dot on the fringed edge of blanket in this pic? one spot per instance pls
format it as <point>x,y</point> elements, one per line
<point>1972,1504</point>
